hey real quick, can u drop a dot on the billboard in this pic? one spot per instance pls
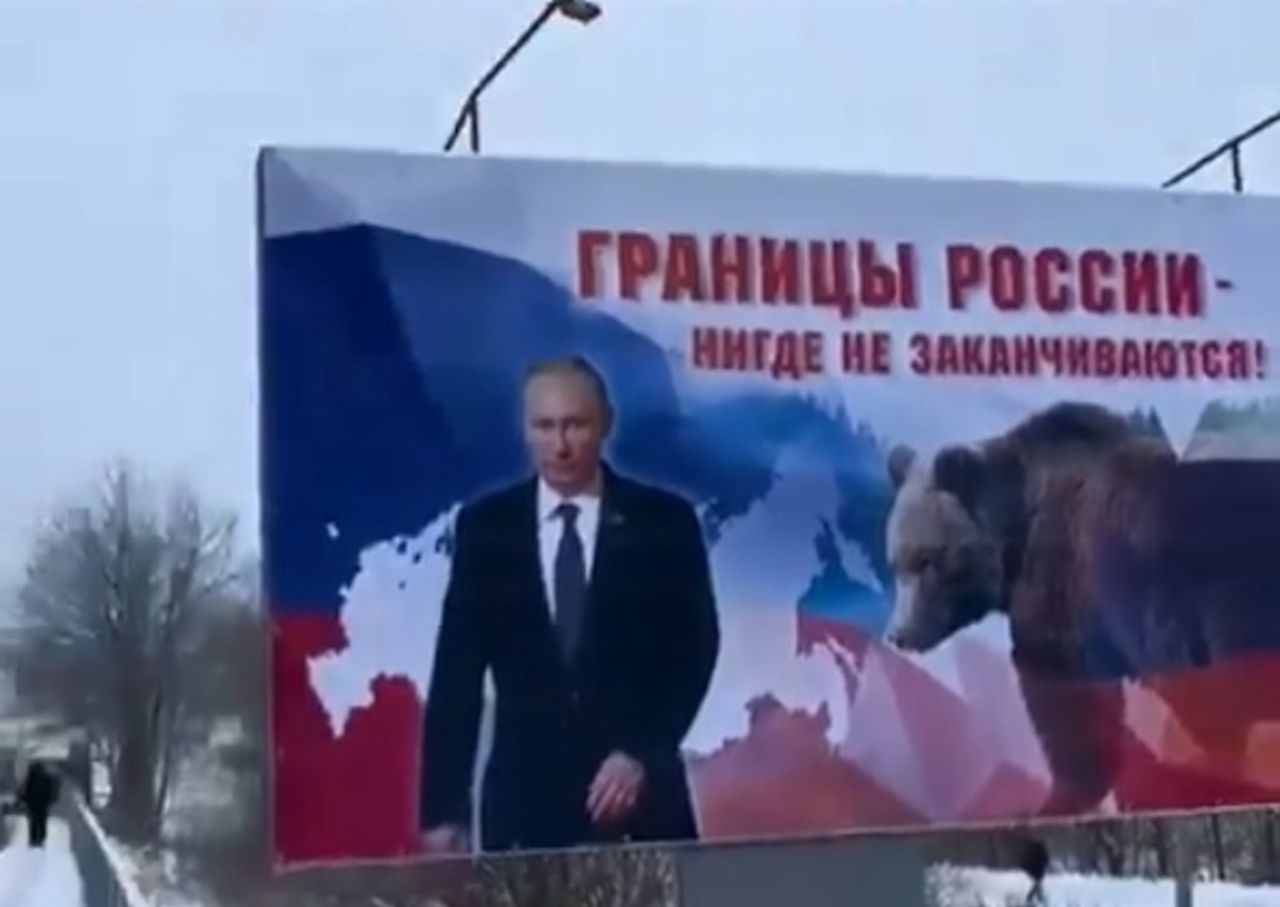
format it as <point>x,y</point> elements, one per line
<point>615,503</point>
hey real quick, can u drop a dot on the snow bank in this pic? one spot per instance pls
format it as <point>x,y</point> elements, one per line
<point>952,886</point>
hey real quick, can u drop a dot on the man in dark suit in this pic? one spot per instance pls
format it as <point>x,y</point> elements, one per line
<point>589,598</point>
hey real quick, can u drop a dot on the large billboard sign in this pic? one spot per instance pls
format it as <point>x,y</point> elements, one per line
<point>619,503</point>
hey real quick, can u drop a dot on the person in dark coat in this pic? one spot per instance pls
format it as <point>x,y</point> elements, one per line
<point>1033,859</point>
<point>39,793</point>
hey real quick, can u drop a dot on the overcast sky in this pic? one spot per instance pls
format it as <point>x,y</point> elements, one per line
<point>128,130</point>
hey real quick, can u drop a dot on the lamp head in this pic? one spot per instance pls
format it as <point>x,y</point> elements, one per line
<point>583,11</point>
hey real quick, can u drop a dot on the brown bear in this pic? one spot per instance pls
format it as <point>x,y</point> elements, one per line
<point>1111,559</point>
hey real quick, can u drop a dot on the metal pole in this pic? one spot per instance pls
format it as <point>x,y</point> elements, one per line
<point>1237,176</point>
<point>1182,870</point>
<point>1232,143</point>
<point>469,105</point>
<point>474,131</point>
<point>1182,892</point>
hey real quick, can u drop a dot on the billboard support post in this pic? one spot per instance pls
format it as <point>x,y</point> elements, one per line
<point>1182,871</point>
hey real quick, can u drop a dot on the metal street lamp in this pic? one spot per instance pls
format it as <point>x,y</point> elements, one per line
<point>581,11</point>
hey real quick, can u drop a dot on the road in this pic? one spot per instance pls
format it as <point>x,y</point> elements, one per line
<point>45,877</point>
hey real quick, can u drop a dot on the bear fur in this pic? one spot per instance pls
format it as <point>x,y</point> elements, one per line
<point>1111,559</point>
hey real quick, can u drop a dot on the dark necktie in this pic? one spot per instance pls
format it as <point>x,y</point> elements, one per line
<point>570,579</point>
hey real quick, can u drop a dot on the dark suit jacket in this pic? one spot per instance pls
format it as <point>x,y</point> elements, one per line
<point>648,645</point>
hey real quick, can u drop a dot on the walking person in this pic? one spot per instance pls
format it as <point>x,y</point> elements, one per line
<point>1033,859</point>
<point>39,793</point>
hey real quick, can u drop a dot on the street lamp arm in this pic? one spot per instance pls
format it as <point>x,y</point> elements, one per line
<point>469,104</point>
<point>1231,145</point>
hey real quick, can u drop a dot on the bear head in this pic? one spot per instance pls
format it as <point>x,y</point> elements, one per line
<point>947,536</point>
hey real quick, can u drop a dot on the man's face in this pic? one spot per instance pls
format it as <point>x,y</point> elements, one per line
<point>564,427</point>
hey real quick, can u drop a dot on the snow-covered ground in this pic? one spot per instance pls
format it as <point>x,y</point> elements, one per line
<point>203,797</point>
<point>204,802</point>
<point>972,887</point>
<point>154,875</point>
<point>43,877</point>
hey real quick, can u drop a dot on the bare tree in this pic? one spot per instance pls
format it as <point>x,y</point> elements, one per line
<point>1269,860</point>
<point>223,842</point>
<point>1219,852</point>
<point>1162,846</point>
<point>109,624</point>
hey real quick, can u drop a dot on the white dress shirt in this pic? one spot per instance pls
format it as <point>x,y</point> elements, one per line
<point>551,528</point>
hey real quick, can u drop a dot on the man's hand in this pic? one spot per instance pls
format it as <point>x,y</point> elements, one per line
<point>616,789</point>
<point>446,839</point>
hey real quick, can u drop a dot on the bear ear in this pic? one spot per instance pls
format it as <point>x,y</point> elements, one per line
<point>900,460</point>
<point>960,471</point>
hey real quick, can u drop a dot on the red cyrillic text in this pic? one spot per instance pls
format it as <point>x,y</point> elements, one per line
<point>1095,281</point>
<point>841,274</point>
<point>782,354</point>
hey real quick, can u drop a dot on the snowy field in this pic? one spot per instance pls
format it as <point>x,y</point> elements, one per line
<point>39,878</point>
<point>965,887</point>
